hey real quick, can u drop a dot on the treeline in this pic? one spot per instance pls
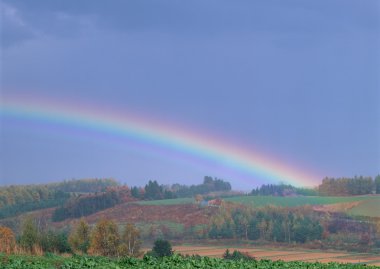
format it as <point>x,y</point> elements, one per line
<point>85,185</point>
<point>18,199</point>
<point>349,186</point>
<point>295,225</point>
<point>329,187</point>
<point>47,199</point>
<point>152,191</point>
<point>270,224</point>
<point>283,190</point>
<point>84,205</point>
<point>155,191</point>
<point>209,185</point>
<point>14,210</point>
<point>23,194</point>
<point>103,239</point>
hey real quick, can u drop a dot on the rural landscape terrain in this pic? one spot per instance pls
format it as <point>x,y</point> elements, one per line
<point>189,134</point>
<point>338,221</point>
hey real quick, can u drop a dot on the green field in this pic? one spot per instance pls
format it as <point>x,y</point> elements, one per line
<point>176,261</point>
<point>260,201</point>
<point>369,208</point>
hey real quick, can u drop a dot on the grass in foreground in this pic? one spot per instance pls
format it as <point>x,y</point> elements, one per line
<point>176,261</point>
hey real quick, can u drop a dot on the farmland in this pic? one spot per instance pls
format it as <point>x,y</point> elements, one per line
<point>178,201</point>
<point>259,201</point>
<point>356,205</point>
<point>176,261</point>
<point>284,254</point>
<point>291,228</point>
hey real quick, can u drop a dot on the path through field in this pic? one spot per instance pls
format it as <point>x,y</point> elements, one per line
<point>285,255</point>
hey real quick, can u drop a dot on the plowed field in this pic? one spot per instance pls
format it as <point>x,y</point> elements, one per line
<point>285,255</point>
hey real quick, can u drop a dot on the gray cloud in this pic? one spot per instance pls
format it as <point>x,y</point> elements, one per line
<point>13,27</point>
<point>19,24</point>
<point>68,18</point>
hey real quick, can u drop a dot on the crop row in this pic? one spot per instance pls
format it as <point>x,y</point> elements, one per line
<point>175,261</point>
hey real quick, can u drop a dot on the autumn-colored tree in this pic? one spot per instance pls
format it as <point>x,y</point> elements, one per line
<point>7,240</point>
<point>105,239</point>
<point>198,198</point>
<point>131,242</point>
<point>79,238</point>
<point>29,235</point>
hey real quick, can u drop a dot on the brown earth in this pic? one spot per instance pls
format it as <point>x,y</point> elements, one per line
<point>186,214</point>
<point>338,207</point>
<point>285,255</point>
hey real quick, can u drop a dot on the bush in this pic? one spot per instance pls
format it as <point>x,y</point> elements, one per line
<point>161,248</point>
<point>237,255</point>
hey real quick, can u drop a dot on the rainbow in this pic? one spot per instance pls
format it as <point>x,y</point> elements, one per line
<point>255,165</point>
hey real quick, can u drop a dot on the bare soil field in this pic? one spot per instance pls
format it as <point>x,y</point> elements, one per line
<point>285,255</point>
<point>186,214</point>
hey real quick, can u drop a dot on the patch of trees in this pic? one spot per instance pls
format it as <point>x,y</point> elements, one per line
<point>154,191</point>
<point>14,210</point>
<point>282,190</point>
<point>36,241</point>
<point>209,185</point>
<point>104,239</point>
<point>85,205</point>
<point>349,186</point>
<point>86,185</point>
<point>25,194</point>
<point>237,255</point>
<point>270,224</point>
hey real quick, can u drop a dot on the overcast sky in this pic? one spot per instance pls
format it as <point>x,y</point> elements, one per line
<point>300,80</point>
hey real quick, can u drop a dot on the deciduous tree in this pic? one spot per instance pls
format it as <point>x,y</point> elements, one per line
<point>105,239</point>
<point>162,248</point>
<point>29,235</point>
<point>80,237</point>
<point>7,240</point>
<point>131,242</point>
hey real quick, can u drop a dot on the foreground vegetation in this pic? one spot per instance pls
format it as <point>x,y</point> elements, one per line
<point>175,261</point>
